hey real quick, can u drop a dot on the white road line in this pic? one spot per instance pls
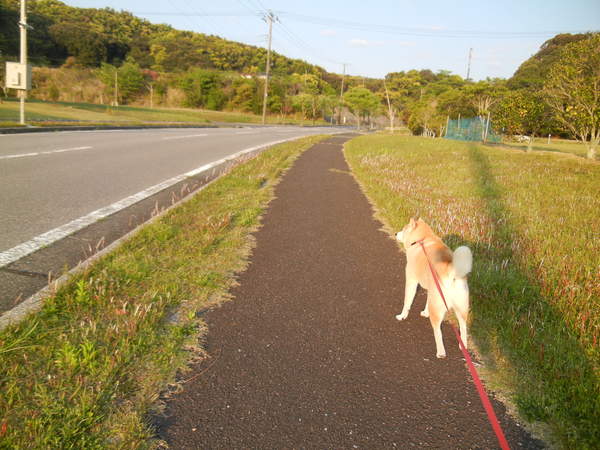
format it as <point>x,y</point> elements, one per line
<point>184,137</point>
<point>45,239</point>
<point>63,150</point>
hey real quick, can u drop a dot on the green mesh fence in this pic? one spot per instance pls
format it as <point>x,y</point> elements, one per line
<point>472,129</point>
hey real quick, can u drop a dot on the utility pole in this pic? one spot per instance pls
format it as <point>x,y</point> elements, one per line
<point>269,18</point>
<point>342,93</point>
<point>469,65</point>
<point>18,75</point>
<point>23,59</point>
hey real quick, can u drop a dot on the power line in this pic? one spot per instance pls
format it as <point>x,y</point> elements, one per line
<point>195,14</point>
<point>377,28</point>
<point>295,40</point>
<point>191,6</point>
<point>288,34</point>
<point>261,5</point>
<point>245,6</point>
<point>303,45</point>
<point>425,32</point>
<point>187,16</point>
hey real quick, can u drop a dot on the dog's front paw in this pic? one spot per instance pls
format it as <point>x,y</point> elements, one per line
<point>441,355</point>
<point>402,316</point>
<point>425,313</point>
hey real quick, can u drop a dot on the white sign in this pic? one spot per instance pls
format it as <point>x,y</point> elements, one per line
<point>18,76</point>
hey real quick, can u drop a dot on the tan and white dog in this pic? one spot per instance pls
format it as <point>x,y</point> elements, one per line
<point>452,269</point>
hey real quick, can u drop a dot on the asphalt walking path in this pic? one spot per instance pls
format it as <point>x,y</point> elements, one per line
<point>309,353</point>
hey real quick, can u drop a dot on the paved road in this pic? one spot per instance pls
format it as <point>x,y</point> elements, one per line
<point>309,353</point>
<point>50,179</point>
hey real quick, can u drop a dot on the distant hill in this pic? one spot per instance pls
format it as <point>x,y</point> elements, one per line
<point>532,73</point>
<point>93,36</point>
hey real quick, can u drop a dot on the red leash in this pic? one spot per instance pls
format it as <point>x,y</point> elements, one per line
<point>482,395</point>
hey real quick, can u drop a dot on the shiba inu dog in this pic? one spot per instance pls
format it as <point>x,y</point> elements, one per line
<point>452,269</point>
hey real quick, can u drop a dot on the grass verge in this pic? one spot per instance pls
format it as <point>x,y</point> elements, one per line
<point>38,112</point>
<point>86,370</point>
<point>533,222</point>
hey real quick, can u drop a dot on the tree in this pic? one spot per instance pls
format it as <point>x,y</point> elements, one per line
<point>303,103</point>
<point>86,45</point>
<point>328,104</point>
<point>403,89</point>
<point>131,80</point>
<point>482,96</point>
<point>573,91</point>
<point>362,102</point>
<point>521,112</point>
<point>426,119</point>
<point>310,95</point>
<point>127,79</point>
<point>311,89</point>
<point>203,89</point>
<point>391,111</point>
<point>532,73</point>
<point>244,94</point>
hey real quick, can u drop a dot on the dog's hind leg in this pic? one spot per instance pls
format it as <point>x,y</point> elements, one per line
<point>436,316</point>
<point>409,295</point>
<point>461,309</point>
<point>462,322</point>
<point>425,312</point>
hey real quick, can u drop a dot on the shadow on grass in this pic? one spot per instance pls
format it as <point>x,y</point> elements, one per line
<point>553,379</point>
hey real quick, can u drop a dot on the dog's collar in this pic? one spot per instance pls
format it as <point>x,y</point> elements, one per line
<point>420,241</point>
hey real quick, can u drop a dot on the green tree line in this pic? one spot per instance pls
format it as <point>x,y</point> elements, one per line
<point>94,36</point>
<point>556,92</point>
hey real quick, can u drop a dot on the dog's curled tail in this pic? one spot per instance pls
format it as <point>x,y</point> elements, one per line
<point>462,261</point>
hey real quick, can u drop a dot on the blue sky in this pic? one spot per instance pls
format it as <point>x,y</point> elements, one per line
<point>381,36</point>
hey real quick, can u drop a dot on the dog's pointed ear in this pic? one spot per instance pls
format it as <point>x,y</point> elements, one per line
<point>413,223</point>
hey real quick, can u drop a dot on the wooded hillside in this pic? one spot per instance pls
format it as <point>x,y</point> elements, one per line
<point>95,36</point>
